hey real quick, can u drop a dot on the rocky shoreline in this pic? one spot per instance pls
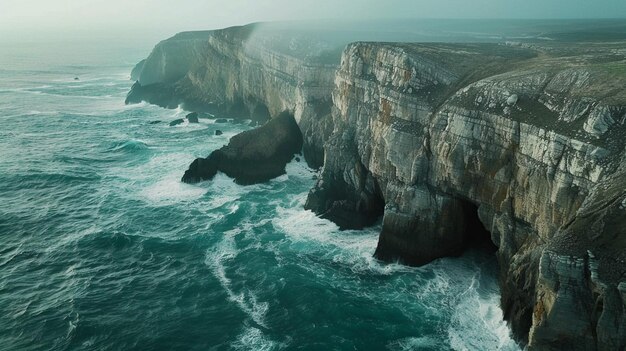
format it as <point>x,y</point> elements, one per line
<point>254,156</point>
<point>520,141</point>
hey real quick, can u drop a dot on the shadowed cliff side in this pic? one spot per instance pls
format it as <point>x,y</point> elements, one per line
<point>526,135</point>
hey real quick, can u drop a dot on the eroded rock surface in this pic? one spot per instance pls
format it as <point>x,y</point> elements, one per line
<point>192,117</point>
<point>431,131</point>
<point>526,139</point>
<point>253,156</point>
<point>246,73</point>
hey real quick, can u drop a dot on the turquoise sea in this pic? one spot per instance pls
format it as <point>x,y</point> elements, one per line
<point>103,248</point>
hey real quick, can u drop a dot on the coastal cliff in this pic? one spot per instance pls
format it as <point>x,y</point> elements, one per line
<point>246,72</point>
<point>447,142</point>
<point>526,143</point>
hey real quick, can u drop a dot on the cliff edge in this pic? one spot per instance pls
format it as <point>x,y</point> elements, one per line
<point>525,140</point>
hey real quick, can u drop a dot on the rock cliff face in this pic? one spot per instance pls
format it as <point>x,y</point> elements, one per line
<point>444,141</point>
<point>527,141</point>
<point>246,72</point>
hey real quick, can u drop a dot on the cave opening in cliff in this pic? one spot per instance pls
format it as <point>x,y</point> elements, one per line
<point>260,113</point>
<point>476,235</point>
<point>238,109</point>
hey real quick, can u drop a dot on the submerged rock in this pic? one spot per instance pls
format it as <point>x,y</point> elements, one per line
<point>221,120</point>
<point>154,122</point>
<point>254,156</point>
<point>177,122</point>
<point>193,117</point>
<point>218,132</point>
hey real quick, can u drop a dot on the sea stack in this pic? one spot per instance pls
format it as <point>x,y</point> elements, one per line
<point>192,117</point>
<point>253,156</point>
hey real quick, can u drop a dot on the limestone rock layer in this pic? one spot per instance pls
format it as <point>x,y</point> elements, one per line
<point>450,133</point>
<point>525,140</point>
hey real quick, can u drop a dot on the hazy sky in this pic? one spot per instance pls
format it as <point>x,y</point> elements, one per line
<point>168,16</point>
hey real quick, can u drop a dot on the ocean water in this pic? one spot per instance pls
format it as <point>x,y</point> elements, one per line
<point>103,248</point>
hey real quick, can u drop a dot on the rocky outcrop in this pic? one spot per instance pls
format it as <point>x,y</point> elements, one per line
<point>169,61</point>
<point>192,117</point>
<point>443,141</point>
<point>246,72</point>
<point>177,122</point>
<point>444,136</point>
<point>581,288</point>
<point>254,156</point>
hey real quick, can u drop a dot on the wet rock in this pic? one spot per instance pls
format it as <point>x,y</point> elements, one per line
<point>192,117</point>
<point>177,122</point>
<point>351,205</point>
<point>218,132</point>
<point>221,120</point>
<point>254,156</point>
<point>547,189</point>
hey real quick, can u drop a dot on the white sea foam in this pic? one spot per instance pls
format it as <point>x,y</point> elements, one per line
<point>171,190</point>
<point>73,321</point>
<point>33,113</point>
<point>138,106</point>
<point>253,339</point>
<point>477,321</point>
<point>299,170</point>
<point>454,287</point>
<point>217,258</point>
<point>24,89</point>
<point>352,248</point>
<point>438,285</point>
<point>225,189</point>
<point>416,343</point>
<point>64,96</point>
<point>179,111</point>
<point>156,188</point>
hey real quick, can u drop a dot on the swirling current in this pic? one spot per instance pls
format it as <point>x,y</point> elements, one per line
<point>103,248</point>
